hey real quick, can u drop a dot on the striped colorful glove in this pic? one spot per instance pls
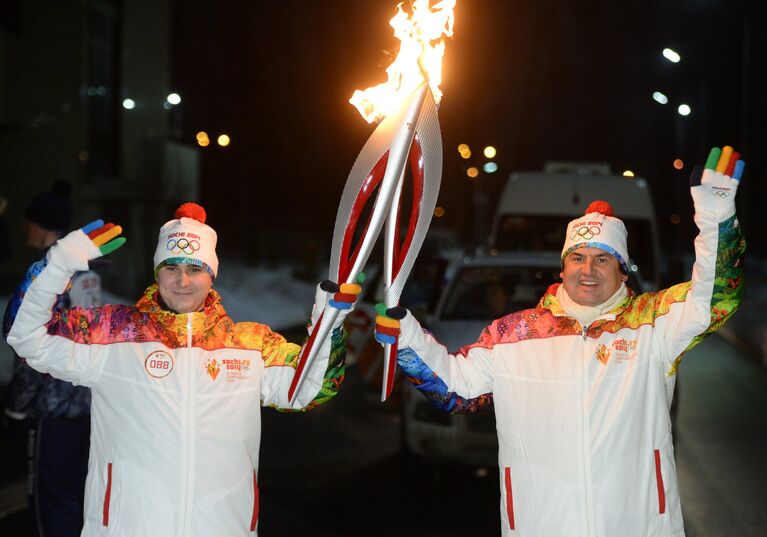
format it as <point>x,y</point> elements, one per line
<point>75,250</point>
<point>345,294</point>
<point>387,323</point>
<point>104,236</point>
<point>714,187</point>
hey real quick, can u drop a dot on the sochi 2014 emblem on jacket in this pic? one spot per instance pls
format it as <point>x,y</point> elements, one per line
<point>625,349</point>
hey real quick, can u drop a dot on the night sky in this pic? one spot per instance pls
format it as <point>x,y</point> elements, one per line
<point>549,80</point>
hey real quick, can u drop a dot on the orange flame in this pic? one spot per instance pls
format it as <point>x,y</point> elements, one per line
<point>418,61</point>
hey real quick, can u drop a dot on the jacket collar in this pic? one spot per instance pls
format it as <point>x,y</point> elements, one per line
<point>211,313</point>
<point>550,302</point>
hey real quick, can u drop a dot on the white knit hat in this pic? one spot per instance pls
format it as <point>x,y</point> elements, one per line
<point>598,228</point>
<point>187,240</point>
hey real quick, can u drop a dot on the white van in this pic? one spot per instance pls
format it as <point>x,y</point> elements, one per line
<point>535,208</point>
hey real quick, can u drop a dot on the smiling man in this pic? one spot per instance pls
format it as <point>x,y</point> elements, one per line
<point>177,385</point>
<point>582,384</point>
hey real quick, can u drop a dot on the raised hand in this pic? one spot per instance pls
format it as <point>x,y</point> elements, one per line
<point>92,241</point>
<point>714,187</point>
<point>104,236</point>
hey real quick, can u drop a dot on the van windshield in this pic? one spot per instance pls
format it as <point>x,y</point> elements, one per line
<point>487,293</point>
<point>537,233</point>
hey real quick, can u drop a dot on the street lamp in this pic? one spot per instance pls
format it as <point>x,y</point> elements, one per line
<point>671,55</point>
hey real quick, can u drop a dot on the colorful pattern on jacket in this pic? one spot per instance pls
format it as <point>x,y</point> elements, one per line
<point>31,393</point>
<point>212,329</point>
<point>549,319</point>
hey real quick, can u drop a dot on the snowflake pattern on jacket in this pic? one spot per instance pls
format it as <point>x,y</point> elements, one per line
<point>148,320</point>
<point>548,319</point>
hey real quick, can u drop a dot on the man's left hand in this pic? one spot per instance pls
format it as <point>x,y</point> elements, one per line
<point>714,188</point>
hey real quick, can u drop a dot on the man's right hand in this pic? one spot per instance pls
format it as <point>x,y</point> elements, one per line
<point>714,188</point>
<point>87,243</point>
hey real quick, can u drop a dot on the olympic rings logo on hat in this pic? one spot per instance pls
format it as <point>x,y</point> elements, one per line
<point>586,232</point>
<point>176,246</point>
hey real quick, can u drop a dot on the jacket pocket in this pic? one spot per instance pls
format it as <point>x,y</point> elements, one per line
<point>107,496</point>
<point>509,496</point>
<point>659,483</point>
<point>254,516</point>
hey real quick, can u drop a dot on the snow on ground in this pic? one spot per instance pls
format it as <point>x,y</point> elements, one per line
<point>249,293</point>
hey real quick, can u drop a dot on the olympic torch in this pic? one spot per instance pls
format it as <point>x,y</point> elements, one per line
<point>406,107</point>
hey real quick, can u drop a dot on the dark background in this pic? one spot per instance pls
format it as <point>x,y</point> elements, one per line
<point>539,81</point>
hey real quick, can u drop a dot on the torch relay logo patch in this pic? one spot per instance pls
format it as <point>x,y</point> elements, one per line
<point>212,367</point>
<point>158,364</point>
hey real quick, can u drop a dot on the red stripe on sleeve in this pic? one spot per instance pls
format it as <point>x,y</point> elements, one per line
<point>509,499</point>
<point>659,482</point>
<point>254,518</point>
<point>107,495</point>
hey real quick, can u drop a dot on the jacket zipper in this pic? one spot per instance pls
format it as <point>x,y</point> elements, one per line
<point>189,427</point>
<point>585,427</point>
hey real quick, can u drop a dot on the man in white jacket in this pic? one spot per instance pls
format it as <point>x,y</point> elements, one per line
<point>582,384</point>
<point>177,385</point>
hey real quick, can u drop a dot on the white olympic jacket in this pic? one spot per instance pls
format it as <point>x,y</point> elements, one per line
<point>582,413</point>
<point>176,403</point>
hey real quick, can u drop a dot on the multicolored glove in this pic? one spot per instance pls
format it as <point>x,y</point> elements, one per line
<point>387,323</point>
<point>714,187</point>
<point>89,242</point>
<point>344,295</point>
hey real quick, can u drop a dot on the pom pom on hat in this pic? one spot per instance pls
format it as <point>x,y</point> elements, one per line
<point>601,207</point>
<point>191,210</point>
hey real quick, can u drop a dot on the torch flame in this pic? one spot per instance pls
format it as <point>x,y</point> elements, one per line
<point>418,61</point>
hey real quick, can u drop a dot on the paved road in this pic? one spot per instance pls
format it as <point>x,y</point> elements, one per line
<point>337,472</point>
<point>721,443</point>
<point>721,455</point>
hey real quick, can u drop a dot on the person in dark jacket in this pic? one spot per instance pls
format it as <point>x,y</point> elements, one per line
<point>51,416</point>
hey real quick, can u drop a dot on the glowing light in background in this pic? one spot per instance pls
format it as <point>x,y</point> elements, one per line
<point>223,140</point>
<point>659,97</point>
<point>678,164</point>
<point>173,98</point>
<point>202,139</point>
<point>628,173</point>
<point>684,110</point>
<point>490,167</point>
<point>489,151</point>
<point>472,172</point>
<point>129,104</point>
<point>671,55</point>
<point>439,212</point>
<point>464,151</point>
